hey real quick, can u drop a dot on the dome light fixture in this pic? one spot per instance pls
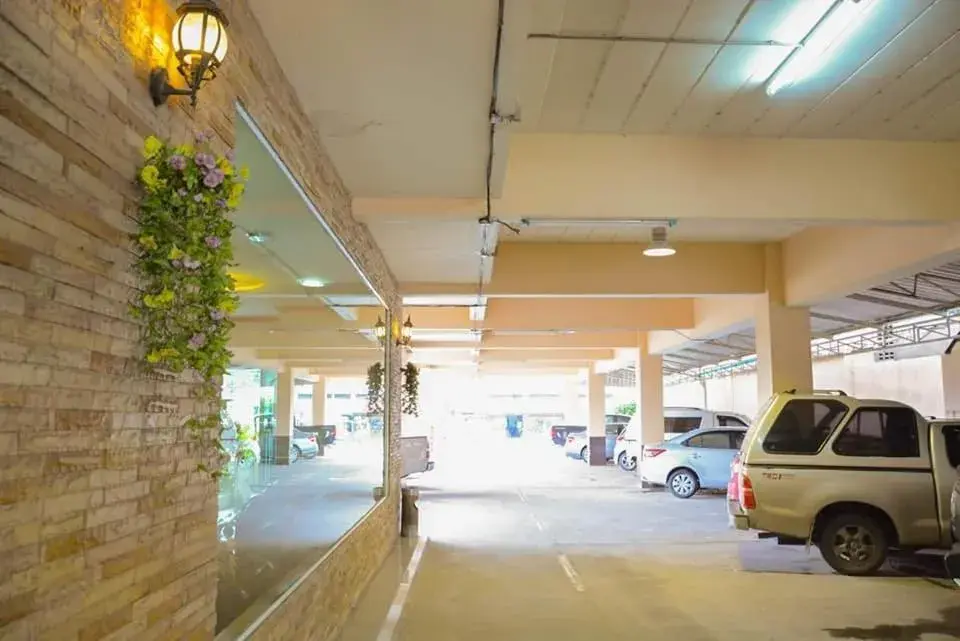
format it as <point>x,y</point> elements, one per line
<point>659,247</point>
<point>313,283</point>
<point>199,40</point>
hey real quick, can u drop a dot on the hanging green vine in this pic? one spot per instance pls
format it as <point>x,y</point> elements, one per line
<point>375,389</point>
<point>410,399</point>
<point>183,251</point>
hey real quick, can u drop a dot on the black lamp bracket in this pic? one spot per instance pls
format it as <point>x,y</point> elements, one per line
<point>161,89</point>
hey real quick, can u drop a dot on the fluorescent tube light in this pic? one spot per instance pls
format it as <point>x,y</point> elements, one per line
<point>597,222</point>
<point>835,26</point>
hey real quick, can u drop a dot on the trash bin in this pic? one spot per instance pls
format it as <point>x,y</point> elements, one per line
<point>409,512</point>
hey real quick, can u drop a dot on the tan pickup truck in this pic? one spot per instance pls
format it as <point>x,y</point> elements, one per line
<point>855,477</point>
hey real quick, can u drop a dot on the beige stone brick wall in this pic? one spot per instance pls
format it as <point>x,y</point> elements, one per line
<point>106,529</point>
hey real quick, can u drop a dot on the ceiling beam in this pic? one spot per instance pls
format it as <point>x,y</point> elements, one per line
<point>621,269</point>
<point>602,176</point>
<point>826,263</point>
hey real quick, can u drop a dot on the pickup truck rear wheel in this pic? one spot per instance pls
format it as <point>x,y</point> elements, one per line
<point>854,544</point>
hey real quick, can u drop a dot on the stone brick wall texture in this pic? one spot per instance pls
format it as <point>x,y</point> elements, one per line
<point>106,529</point>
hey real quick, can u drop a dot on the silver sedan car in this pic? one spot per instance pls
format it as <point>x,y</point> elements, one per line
<point>697,460</point>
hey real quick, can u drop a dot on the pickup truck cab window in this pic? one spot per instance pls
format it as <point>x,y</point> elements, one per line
<point>880,432</point>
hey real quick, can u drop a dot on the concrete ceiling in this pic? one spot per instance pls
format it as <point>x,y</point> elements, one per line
<point>895,78</point>
<point>627,109</point>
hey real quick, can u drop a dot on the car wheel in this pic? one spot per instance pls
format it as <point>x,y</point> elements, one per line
<point>952,562</point>
<point>683,483</point>
<point>585,455</point>
<point>853,544</point>
<point>295,454</point>
<point>627,463</point>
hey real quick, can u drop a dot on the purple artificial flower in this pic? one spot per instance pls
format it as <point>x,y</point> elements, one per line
<point>212,241</point>
<point>205,160</point>
<point>231,155</point>
<point>197,341</point>
<point>201,137</point>
<point>198,198</point>
<point>221,203</point>
<point>182,192</point>
<point>178,162</point>
<point>217,315</point>
<point>213,178</point>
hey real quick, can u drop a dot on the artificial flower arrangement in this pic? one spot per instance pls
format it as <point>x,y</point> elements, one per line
<point>183,250</point>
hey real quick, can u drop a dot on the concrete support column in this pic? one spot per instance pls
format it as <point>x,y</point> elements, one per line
<point>782,336</point>
<point>649,395</point>
<point>320,401</point>
<point>596,417</point>
<point>572,409</point>
<point>285,397</point>
<point>950,380</point>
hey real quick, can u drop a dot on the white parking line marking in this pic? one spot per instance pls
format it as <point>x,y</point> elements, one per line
<point>537,522</point>
<point>571,573</point>
<point>400,598</point>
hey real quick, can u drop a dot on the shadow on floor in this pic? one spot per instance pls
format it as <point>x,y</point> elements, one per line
<point>948,625</point>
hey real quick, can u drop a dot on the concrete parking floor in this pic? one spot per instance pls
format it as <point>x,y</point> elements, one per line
<point>582,553</point>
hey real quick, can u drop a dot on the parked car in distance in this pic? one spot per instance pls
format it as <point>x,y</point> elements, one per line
<point>303,445</point>
<point>855,477</point>
<point>676,421</point>
<point>326,434</point>
<point>697,460</point>
<point>578,444</point>
<point>559,433</point>
<point>415,455</point>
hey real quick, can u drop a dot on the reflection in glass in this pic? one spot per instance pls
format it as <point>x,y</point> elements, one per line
<point>306,456</point>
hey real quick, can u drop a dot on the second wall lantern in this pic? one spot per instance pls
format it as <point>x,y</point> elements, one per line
<point>199,41</point>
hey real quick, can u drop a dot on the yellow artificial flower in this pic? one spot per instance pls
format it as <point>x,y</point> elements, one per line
<point>150,176</point>
<point>160,300</point>
<point>228,305</point>
<point>226,167</point>
<point>151,146</point>
<point>175,253</point>
<point>147,242</point>
<point>245,172</point>
<point>185,150</point>
<point>153,357</point>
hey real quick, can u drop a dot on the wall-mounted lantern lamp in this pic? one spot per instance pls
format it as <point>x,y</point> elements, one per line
<point>199,40</point>
<point>380,330</point>
<point>406,333</point>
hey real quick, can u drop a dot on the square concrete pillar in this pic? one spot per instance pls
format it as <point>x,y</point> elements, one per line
<point>649,370</point>
<point>320,402</point>
<point>782,336</point>
<point>285,397</point>
<point>596,417</point>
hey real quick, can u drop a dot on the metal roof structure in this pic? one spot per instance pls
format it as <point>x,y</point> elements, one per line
<point>921,308</point>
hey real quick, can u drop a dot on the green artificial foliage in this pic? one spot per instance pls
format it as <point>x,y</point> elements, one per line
<point>627,409</point>
<point>410,399</point>
<point>183,250</point>
<point>375,389</point>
